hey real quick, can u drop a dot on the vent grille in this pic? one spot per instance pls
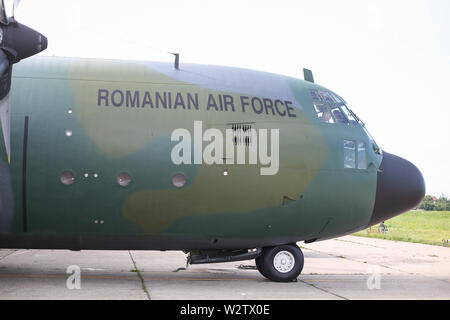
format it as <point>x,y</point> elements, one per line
<point>241,133</point>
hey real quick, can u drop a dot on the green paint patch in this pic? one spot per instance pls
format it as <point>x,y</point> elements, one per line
<point>209,192</point>
<point>427,227</point>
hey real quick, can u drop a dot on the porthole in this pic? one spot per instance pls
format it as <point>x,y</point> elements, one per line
<point>67,177</point>
<point>123,179</point>
<point>178,180</point>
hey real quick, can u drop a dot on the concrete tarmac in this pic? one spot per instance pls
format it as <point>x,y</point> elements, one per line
<point>344,268</point>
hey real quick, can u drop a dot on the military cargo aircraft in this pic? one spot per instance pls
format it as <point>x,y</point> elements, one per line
<point>87,146</point>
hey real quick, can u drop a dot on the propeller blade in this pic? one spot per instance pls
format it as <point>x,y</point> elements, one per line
<point>5,116</point>
<point>4,62</point>
<point>15,5</point>
<point>5,124</point>
<point>3,16</point>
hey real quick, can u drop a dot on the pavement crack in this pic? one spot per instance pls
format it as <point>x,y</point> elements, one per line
<point>138,272</point>
<point>8,254</point>
<point>324,290</point>
<point>360,243</point>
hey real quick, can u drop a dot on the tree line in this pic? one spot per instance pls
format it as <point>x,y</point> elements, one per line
<point>432,203</point>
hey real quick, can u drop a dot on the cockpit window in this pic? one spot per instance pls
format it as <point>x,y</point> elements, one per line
<point>330,108</point>
<point>349,154</point>
<point>348,114</point>
<point>355,156</point>
<point>338,115</point>
<point>323,113</point>
<point>331,114</point>
<point>325,97</point>
<point>337,98</point>
<point>362,157</point>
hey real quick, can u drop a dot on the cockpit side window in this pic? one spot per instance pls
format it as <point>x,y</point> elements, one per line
<point>362,157</point>
<point>349,154</point>
<point>348,114</point>
<point>355,156</point>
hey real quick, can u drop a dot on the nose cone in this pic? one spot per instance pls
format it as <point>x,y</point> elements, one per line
<point>400,187</point>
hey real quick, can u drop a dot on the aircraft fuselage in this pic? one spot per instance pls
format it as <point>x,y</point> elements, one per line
<point>89,165</point>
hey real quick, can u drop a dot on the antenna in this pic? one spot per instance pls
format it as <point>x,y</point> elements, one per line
<point>176,63</point>
<point>308,75</point>
<point>177,55</point>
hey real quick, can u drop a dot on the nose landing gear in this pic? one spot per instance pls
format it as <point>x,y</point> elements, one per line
<point>281,263</point>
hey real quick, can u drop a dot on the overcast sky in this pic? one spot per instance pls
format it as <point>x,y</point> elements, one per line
<point>389,59</point>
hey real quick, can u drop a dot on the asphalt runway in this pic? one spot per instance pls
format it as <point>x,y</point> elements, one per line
<point>345,268</point>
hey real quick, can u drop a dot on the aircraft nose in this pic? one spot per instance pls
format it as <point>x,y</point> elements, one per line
<point>400,187</point>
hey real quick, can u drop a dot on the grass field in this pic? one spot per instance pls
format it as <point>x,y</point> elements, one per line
<point>429,227</point>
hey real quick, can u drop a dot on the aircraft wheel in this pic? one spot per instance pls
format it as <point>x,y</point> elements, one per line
<point>282,263</point>
<point>260,266</point>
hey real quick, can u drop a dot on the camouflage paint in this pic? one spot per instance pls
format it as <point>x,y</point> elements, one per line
<point>312,196</point>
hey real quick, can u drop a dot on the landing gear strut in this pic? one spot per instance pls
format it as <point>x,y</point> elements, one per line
<point>282,263</point>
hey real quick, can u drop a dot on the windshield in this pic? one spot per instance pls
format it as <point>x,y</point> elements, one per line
<point>331,108</point>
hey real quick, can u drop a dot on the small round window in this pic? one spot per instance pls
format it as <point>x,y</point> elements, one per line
<point>67,177</point>
<point>123,179</point>
<point>178,180</point>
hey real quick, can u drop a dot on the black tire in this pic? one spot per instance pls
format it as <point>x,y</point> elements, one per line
<point>281,273</point>
<point>260,266</point>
